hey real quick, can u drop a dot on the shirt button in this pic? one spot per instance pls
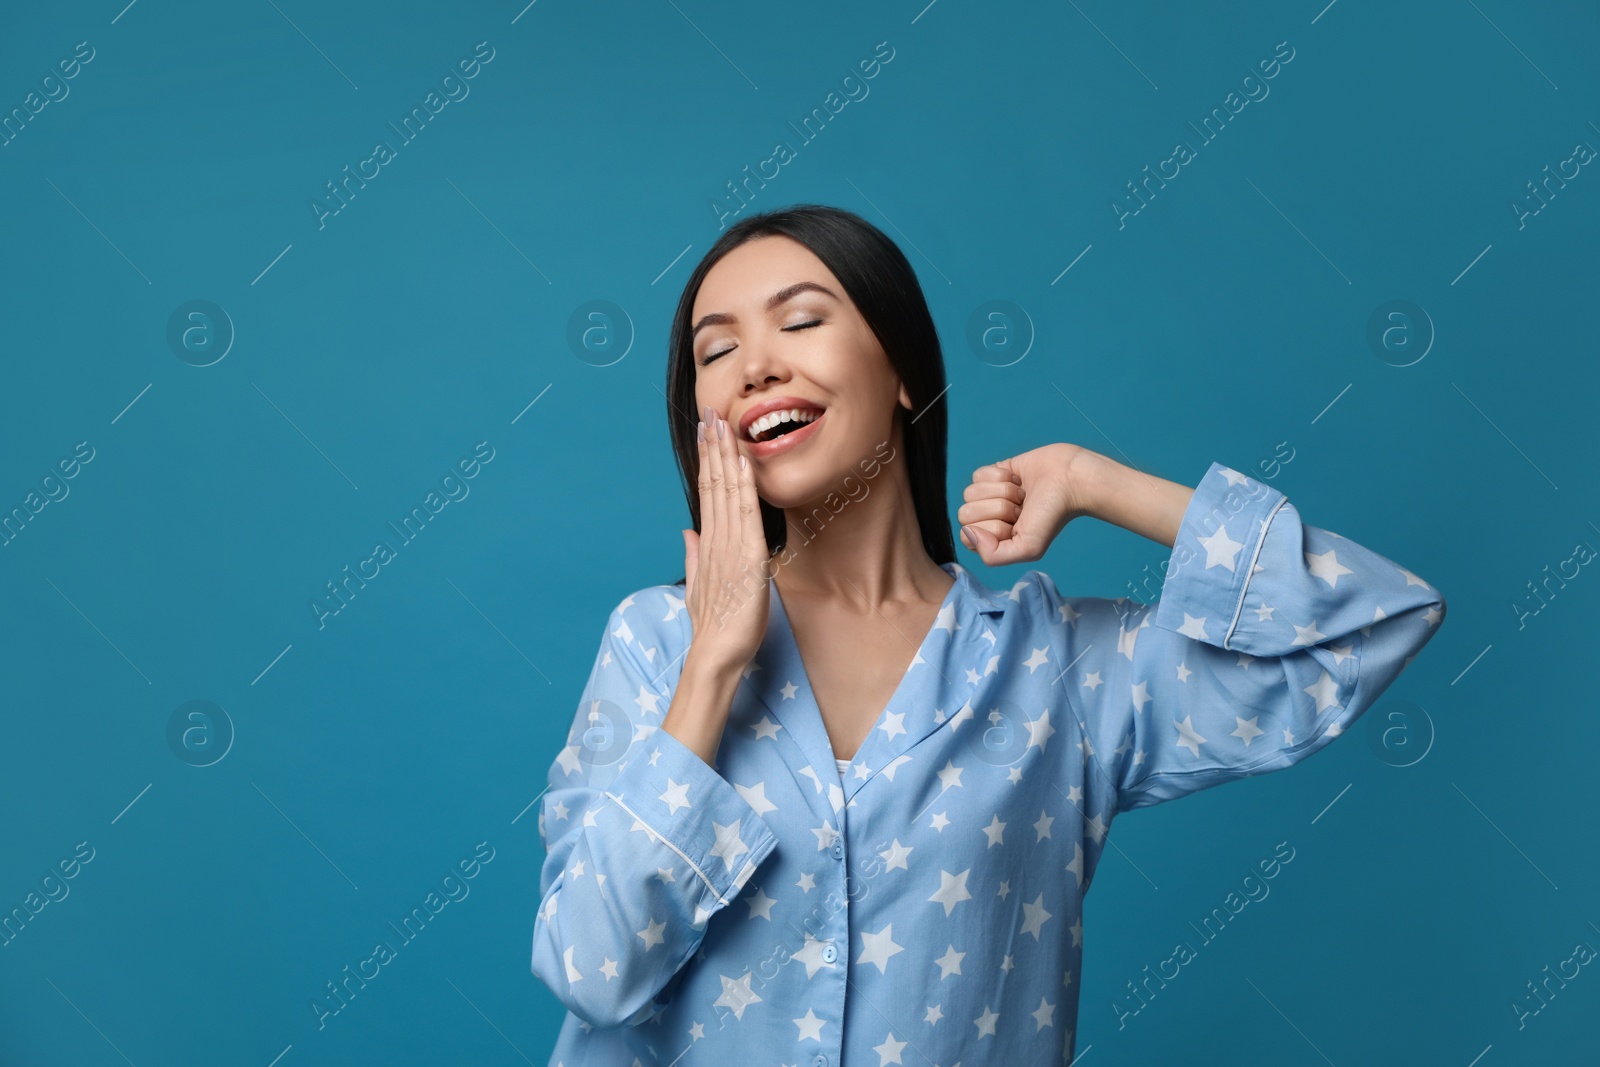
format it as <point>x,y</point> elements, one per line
<point>819,1061</point>
<point>829,953</point>
<point>838,849</point>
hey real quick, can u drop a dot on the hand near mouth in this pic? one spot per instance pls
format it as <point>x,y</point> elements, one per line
<point>726,563</point>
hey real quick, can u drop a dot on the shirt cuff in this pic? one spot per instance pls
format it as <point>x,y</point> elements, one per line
<point>674,796</point>
<point>1219,539</point>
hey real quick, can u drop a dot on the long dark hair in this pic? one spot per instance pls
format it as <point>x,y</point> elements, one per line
<point>880,282</point>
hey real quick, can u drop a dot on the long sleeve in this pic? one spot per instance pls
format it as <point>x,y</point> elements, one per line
<point>644,841</point>
<point>1269,639</point>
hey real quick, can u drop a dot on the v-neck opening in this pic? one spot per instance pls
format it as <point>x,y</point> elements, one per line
<point>947,604</point>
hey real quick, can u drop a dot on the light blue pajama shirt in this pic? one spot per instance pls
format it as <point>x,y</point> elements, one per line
<point>926,905</point>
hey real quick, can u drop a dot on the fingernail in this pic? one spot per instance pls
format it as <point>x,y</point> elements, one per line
<point>701,432</point>
<point>741,461</point>
<point>722,429</point>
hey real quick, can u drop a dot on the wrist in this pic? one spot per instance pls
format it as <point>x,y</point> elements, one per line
<point>705,665</point>
<point>701,702</point>
<point>1091,479</point>
<point>1125,496</point>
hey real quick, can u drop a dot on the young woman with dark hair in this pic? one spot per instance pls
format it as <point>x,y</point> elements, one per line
<point>830,795</point>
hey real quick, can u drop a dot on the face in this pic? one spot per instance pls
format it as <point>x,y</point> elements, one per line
<point>775,331</point>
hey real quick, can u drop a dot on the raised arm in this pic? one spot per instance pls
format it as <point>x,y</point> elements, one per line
<point>644,841</point>
<point>1269,639</point>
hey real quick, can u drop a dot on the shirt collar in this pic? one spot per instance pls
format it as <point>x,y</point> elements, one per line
<point>933,687</point>
<point>986,600</point>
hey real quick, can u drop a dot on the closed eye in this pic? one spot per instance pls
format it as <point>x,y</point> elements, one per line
<point>787,329</point>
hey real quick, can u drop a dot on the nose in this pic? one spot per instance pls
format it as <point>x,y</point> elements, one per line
<point>760,366</point>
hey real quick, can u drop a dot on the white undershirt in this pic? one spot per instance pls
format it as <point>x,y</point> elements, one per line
<point>844,765</point>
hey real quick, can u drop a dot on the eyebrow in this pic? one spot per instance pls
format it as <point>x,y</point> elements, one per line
<point>788,292</point>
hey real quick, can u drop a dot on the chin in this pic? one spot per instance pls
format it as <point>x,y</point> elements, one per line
<point>804,482</point>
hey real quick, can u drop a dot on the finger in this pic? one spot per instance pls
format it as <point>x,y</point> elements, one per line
<point>980,541</point>
<point>750,503</point>
<point>998,532</point>
<point>730,468</point>
<point>986,489</point>
<point>719,492</point>
<point>995,472</point>
<point>998,507</point>
<point>995,508</point>
<point>972,534</point>
<point>1018,548</point>
<point>691,561</point>
<point>707,497</point>
<point>994,551</point>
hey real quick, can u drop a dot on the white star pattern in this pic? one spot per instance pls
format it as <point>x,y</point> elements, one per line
<point>761,904</point>
<point>952,889</point>
<point>1035,917</point>
<point>895,856</point>
<point>1220,549</point>
<point>889,1050</point>
<point>728,846</point>
<point>737,995</point>
<point>1187,737</point>
<point>1325,691</point>
<point>651,934</point>
<point>1042,826</point>
<point>813,955</point>
<point>877,948</point>
<point>810,1026</point>
<point>1247,729</point>
<point>950,776</point>
<point>676,796</point>
<point>1327,567</point>
<point>1040,730</point>
<point>756,797</point>
<point>1308,635</point>
<point>1263,626</point>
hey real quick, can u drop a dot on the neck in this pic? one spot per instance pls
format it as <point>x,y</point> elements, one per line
<point>864,549</point>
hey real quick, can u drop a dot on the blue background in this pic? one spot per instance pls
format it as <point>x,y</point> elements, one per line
<point>371,353</point>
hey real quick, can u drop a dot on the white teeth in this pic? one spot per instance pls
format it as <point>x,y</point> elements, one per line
<point>773,418</point>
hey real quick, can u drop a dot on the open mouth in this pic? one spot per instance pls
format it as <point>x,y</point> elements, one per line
<point>776,424</point>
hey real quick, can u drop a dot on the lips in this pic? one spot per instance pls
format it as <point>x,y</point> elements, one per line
<point>786,443</point>
<point>777,403</point>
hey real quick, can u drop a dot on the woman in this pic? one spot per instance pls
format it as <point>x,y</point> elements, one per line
<point>830,795</point>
